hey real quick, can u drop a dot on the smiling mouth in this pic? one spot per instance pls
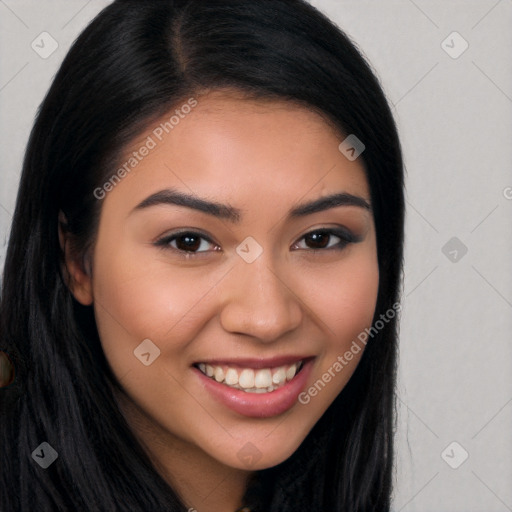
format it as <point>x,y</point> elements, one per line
<point>262,380</point>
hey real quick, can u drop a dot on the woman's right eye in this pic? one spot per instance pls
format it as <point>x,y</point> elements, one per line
<point>189,243</point>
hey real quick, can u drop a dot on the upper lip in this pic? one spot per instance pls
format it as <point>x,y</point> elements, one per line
<point>256,363</point>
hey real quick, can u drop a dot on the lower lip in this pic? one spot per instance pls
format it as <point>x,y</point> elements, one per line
<point>259,405</point>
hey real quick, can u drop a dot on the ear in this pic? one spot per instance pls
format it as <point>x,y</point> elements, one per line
<point>77,273</point>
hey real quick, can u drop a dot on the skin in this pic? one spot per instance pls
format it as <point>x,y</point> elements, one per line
<point>263,158</point>
<point>6,370</point>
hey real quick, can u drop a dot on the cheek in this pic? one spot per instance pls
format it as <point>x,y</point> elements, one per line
<point>357,300</point>
<point>346,309</point>
<point>345,297</point>
<point>139,297</point>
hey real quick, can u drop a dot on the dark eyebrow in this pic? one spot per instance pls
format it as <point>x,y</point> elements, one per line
<point>172,196</point>
<point>332,201</point>
<point>222,211</point>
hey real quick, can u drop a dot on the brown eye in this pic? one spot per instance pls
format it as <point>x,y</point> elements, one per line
<point>317,240</point>
<point>187,242</point>
<point>327,239</point>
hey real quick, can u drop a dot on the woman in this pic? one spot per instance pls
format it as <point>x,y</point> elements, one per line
<point>201,284</point>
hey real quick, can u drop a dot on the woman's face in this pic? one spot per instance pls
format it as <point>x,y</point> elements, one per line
<point>212,278</point>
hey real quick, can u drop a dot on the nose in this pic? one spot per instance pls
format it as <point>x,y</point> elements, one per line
<point>258,302</point>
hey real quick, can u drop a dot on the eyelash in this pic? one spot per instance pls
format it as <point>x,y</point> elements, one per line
<point>345,237</point>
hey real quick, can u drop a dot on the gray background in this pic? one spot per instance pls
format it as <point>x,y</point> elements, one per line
<point>454,116</point>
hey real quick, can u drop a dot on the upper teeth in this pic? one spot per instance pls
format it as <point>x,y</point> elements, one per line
<point>252,381</point>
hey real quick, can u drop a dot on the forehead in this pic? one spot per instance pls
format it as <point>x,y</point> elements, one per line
<point>229,146</point>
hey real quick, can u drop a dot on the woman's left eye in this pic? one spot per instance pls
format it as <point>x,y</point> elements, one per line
<point>323,238</point>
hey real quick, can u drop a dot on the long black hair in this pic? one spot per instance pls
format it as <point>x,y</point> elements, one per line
<point>132,64</point>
